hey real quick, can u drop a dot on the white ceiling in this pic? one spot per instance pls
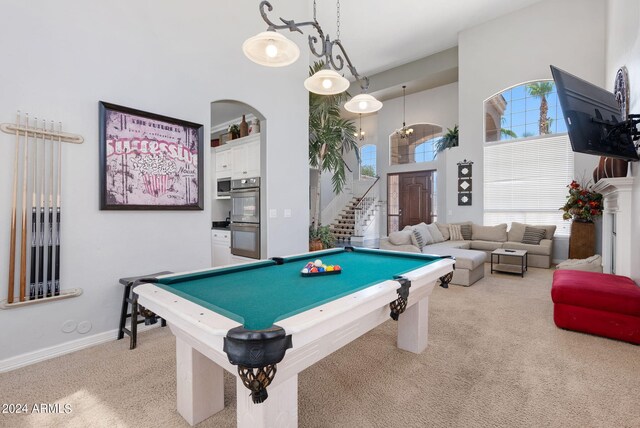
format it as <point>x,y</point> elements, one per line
<point>382,34</point>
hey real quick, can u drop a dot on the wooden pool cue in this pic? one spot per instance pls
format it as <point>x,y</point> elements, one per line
<point>34,225</point>
<point>14,209</point>
<point>41,240</point>
<point>56,275</point>
<point>23,241</point>
<point>50,243</point>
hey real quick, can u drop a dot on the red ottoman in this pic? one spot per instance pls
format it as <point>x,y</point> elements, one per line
<point>597,303</point>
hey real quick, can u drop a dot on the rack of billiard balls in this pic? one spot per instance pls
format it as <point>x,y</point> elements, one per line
<point>318,268</point>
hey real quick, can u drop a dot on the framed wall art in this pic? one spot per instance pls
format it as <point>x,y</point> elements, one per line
<point>149,161</point>
<point>465,182</point>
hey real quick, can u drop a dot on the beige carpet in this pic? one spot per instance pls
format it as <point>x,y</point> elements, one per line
<point>495,359</point>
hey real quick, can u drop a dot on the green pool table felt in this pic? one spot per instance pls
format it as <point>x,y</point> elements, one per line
<point>260,294</point>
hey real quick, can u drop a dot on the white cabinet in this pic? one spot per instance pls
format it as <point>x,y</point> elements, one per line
<point>245,158</point>
<point>223,162</point>
<point>220,247</point>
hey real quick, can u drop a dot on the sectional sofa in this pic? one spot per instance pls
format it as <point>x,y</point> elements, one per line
<point>481,238</point>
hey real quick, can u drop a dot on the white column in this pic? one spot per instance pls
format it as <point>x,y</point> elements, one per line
<point>413,327</point>
<point>200,384</point>
<point>617,202</point>
<point>279,410</point>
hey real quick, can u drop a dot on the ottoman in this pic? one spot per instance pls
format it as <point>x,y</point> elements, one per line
<point>597,303</point>
<point>469,263</point>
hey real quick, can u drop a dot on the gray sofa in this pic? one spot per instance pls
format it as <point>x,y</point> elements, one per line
<point>483,238</point>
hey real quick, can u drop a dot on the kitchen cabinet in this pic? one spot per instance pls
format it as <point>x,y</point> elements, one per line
<point>245,158</point>
<point>223,162</point>
<point>220,247</point>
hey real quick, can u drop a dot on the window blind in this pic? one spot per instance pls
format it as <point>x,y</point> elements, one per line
<point>526,181</point>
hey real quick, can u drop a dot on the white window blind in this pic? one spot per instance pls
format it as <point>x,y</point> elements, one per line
<point>526,181</point>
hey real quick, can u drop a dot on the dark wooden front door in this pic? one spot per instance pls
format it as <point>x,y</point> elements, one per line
<point>413,201</point>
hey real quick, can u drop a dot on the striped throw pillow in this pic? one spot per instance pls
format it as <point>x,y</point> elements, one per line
<point>455,233</point>
<point>416,239</point>
<point>533,235</point>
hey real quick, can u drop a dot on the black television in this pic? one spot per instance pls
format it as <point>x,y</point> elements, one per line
<point>594,121</point>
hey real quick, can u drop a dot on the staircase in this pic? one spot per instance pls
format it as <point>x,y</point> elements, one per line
<point>356,215</point>
<point>343,227</point>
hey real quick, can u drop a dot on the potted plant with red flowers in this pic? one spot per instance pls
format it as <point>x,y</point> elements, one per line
<point>583,206</point>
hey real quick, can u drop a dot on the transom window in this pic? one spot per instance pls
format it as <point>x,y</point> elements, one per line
<point>527,110</point>
<point>415,147</point>
<point>528,160</point>
<point>368,158</point>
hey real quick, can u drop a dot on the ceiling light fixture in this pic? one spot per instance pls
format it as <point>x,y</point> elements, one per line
<point>360,134</point>
<point>404,132</point>
<point>275,50</point>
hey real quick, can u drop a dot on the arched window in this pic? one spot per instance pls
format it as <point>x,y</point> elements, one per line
<point>368,160</point>
<point>418,146</point>
<point>528,160</point>
<point>523,111</point>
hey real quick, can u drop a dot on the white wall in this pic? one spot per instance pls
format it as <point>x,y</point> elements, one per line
<point>623,48</point>
<point>437,106</point>
<point>165,57</point>
<point>516,48</point>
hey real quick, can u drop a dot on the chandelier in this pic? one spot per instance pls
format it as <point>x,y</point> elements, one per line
<point>360,134</point>
<point>272,49</point>
<point>404,132</point>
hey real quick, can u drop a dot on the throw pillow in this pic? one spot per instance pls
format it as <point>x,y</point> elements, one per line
<point>444,230</point>
<point>424,232</point>
<point>435,233</point>
<point>532,235</point>
<point>402,237</point>
<point>465,229</point>
<point>455,234</point>
<point>416,239</point>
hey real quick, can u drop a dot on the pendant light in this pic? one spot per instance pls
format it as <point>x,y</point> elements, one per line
<point>363,103</point>
<point>360,134</point>
<point>404,132</point>
<point>326,82</point>
<point>271,49</point>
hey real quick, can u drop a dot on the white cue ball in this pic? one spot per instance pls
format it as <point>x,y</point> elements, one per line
<point>318,263</point>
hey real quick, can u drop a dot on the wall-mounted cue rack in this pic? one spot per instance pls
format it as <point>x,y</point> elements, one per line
<point>37,172</point>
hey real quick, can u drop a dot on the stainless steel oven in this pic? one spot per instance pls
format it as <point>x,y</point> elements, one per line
<point>245,200</point>
<point>245,240</point>
<point>245,217</point>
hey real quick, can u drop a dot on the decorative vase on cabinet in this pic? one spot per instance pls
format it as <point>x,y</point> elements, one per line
<point>244,127</point>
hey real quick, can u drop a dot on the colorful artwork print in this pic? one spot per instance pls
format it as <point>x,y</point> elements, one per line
<point>149,161</point>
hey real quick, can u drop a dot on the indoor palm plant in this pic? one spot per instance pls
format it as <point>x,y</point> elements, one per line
<point>583,204</point>
<point>330,137</point>
<point>448,140</point>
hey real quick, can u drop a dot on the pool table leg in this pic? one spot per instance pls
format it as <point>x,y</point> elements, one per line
<point>200,384</point>
<point>279,410</point>
<point>413,327</point>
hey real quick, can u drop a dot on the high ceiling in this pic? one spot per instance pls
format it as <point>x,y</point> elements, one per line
<point>382,34</point>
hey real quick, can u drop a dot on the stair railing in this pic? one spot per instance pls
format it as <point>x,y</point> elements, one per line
<point>337,204</point>
<point>366,207</point>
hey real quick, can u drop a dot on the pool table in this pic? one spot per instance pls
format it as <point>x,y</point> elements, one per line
<point>265,322</point>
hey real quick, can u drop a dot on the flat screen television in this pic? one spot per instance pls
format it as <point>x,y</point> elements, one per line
<point>593,118</point>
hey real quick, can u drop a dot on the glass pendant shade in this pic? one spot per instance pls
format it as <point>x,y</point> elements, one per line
<point>271,49</point>
<point>363,103</point>
<point>326,82</point>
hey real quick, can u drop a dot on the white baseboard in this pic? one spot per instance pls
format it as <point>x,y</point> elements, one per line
<point>44,354</point>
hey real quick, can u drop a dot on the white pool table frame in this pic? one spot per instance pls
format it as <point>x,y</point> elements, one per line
<point>316,333</point>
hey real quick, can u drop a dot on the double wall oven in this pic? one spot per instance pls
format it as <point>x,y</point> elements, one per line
<point>245,217</point>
